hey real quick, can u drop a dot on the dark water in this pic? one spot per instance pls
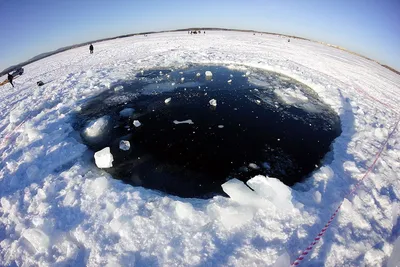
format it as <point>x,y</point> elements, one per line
<point>251,130</point>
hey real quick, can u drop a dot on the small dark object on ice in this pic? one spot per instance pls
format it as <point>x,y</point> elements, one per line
<point>91,49</point>
<point>40,83</point>
<point>10,79</point>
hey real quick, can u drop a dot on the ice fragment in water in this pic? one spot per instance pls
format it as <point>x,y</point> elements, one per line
<point>198,74</point>
<point>229,81</point>
<point>167,100</point>
<point>97,127</point>
<point>208,73</point>
<point>213,102</point>
<point>124,145</point>
<point>184,122</point>
<point>104,158</point>
<point>254,166</point>
<point>220,126</point>
<point>136,123</point>
<point>126,112</point>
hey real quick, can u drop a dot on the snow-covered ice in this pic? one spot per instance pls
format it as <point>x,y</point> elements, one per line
<point>59,209</point>
<point>183,122</point>
<point>104,158</point>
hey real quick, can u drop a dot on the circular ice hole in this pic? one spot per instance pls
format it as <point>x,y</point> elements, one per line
<point>260,123</point>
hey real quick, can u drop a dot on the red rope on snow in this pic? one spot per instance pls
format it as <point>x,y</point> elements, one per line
<point>322,232</point>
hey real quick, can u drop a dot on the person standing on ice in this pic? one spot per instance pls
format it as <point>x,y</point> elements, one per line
<point>91,48</point>
<point>10,78</point>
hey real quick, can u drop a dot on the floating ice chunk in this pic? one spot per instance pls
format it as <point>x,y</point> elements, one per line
<point>124,145</point>
<point>258,102</point>
<point>198,74</point>
<point>182,79</point>
<point>273,190</point>
<point>221,126</point>
<point>266,165</point>
<point>229,81</point>
<point>118,88</point>
<point>96,131</point>
<point>136,123</point>
<point>213,102</point>
<point>126,112</point>
<point>254,166</point>
<point>183,122</point>
<point>167,100</point>
<point>97,127</point>
<point>104,158</point>
<point>39,240</point>
<point>208,74</point>
<point>291,96</point>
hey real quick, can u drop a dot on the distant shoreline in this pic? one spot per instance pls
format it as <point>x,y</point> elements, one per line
<point>62,49</point>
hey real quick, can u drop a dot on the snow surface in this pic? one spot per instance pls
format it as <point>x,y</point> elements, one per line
<point>58,209</point>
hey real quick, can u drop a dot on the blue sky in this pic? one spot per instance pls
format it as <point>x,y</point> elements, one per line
<point>368,27</point>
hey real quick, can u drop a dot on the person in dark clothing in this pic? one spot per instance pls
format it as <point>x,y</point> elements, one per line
<point>10,78</point>
<point>91,48</point>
